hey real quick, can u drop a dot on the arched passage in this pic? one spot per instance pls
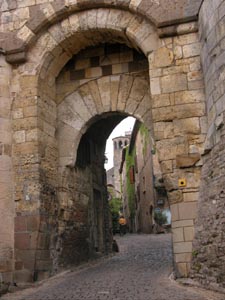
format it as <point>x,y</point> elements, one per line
<point>60,110</point>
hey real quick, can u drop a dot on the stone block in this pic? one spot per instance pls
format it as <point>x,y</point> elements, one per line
<point>87,97</point>
<point>174,83</point>
<point>182,223</point>
<point>178,235</point>
<point>176,70</point>
<point>192,196</point>
<point>25,148</point>
<point>193,178</point>
<point>30,111</point>
<point>163,114</point>
<point>175,196</point>
<point>167,166</point>
<point>18,265</point>
<point>120,68</point>
<point>188,233</point>
<point>93,72</point>
<point>171,181</point>
<point>169,148</point>
<point>114,90</point>
<point>162,100</point>
<point>178,53</point>
<point>191,50</point>
<point>183,257</point>
<point>182,247</point>
<point>188,160</point>
<point>186,39</point>
<point>82,63</point>
<point>20,223</point>
<point>93,86</point>
<point>19,136</point>
<point>104,89</point>
<point>174,212</point>
<point>155,86</point>
<point>43,241</point>
<point>189,97</point>
<point>163,57</point>
<point>187,210</point>
<point>195,75</point>
<point>17,113</point>
<point>182,269</point>
<point>196,85</point>
<point>163,130</point>
<point>23,276</point>
<point>22,241</point>
<point>33,223</point>
<point>32,135</point>
<point>188,125</point>
<point>25,124</point>
<point>191,110</point>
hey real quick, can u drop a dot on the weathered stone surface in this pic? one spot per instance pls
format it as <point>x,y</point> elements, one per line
<point>163,57</point>
<point>209,222</point>
<point>102,80</point>
<point>187,211</point>
<point>182,247</point>
<point>185,161</point>
<point>175,196</point>
<point>174,83</point>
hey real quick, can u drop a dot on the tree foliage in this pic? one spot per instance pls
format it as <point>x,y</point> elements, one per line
<point>115,205</point>
<point>160,218</point>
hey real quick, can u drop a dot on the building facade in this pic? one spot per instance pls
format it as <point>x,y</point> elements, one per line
<point>142,183</point>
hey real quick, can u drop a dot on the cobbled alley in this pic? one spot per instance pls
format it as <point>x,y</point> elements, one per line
<point>140,271</point>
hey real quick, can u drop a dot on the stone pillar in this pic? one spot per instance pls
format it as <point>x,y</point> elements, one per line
<point>178,112</point>
<point>209,247</point>
<point>6,181</point>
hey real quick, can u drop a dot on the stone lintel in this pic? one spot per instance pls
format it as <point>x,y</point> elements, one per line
<point>16,58</point>
<point>189,160</point>
<point>180,29</point>
<point>13,47</point>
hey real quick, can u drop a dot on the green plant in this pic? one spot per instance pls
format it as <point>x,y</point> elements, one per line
<point>145,135</point>
<point>160,218</point>
<point>115,205</point>
<point>130,161</point>
<point>195,253</point>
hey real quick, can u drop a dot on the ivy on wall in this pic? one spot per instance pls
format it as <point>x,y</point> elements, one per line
<point>145,135</point>
<point>130,161</point>
<point>115,205</point>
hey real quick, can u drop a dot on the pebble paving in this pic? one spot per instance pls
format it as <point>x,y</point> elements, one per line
<point>140,271</point>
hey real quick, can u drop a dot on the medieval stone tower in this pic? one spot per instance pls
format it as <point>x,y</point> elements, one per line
<point>118,145</point>
<point>70,71</point>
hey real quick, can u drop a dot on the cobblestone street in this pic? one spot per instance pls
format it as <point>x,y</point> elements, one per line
<point>139,272</point>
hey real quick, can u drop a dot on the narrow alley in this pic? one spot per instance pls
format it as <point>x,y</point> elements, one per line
<point>140,271</point>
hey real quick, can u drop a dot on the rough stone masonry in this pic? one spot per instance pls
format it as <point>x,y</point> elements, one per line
<point>62,92</point>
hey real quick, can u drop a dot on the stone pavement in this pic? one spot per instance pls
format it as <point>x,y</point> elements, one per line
<point>139,272</point>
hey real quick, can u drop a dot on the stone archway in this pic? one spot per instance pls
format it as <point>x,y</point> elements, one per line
<point>176,118</point>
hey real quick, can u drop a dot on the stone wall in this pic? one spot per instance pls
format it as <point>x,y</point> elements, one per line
<point>209,246</point>
<point>178,112</point>
<point>6,174</point>
<point>144,181</point>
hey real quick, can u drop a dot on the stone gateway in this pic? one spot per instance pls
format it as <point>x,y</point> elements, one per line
<point>70,71</point>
